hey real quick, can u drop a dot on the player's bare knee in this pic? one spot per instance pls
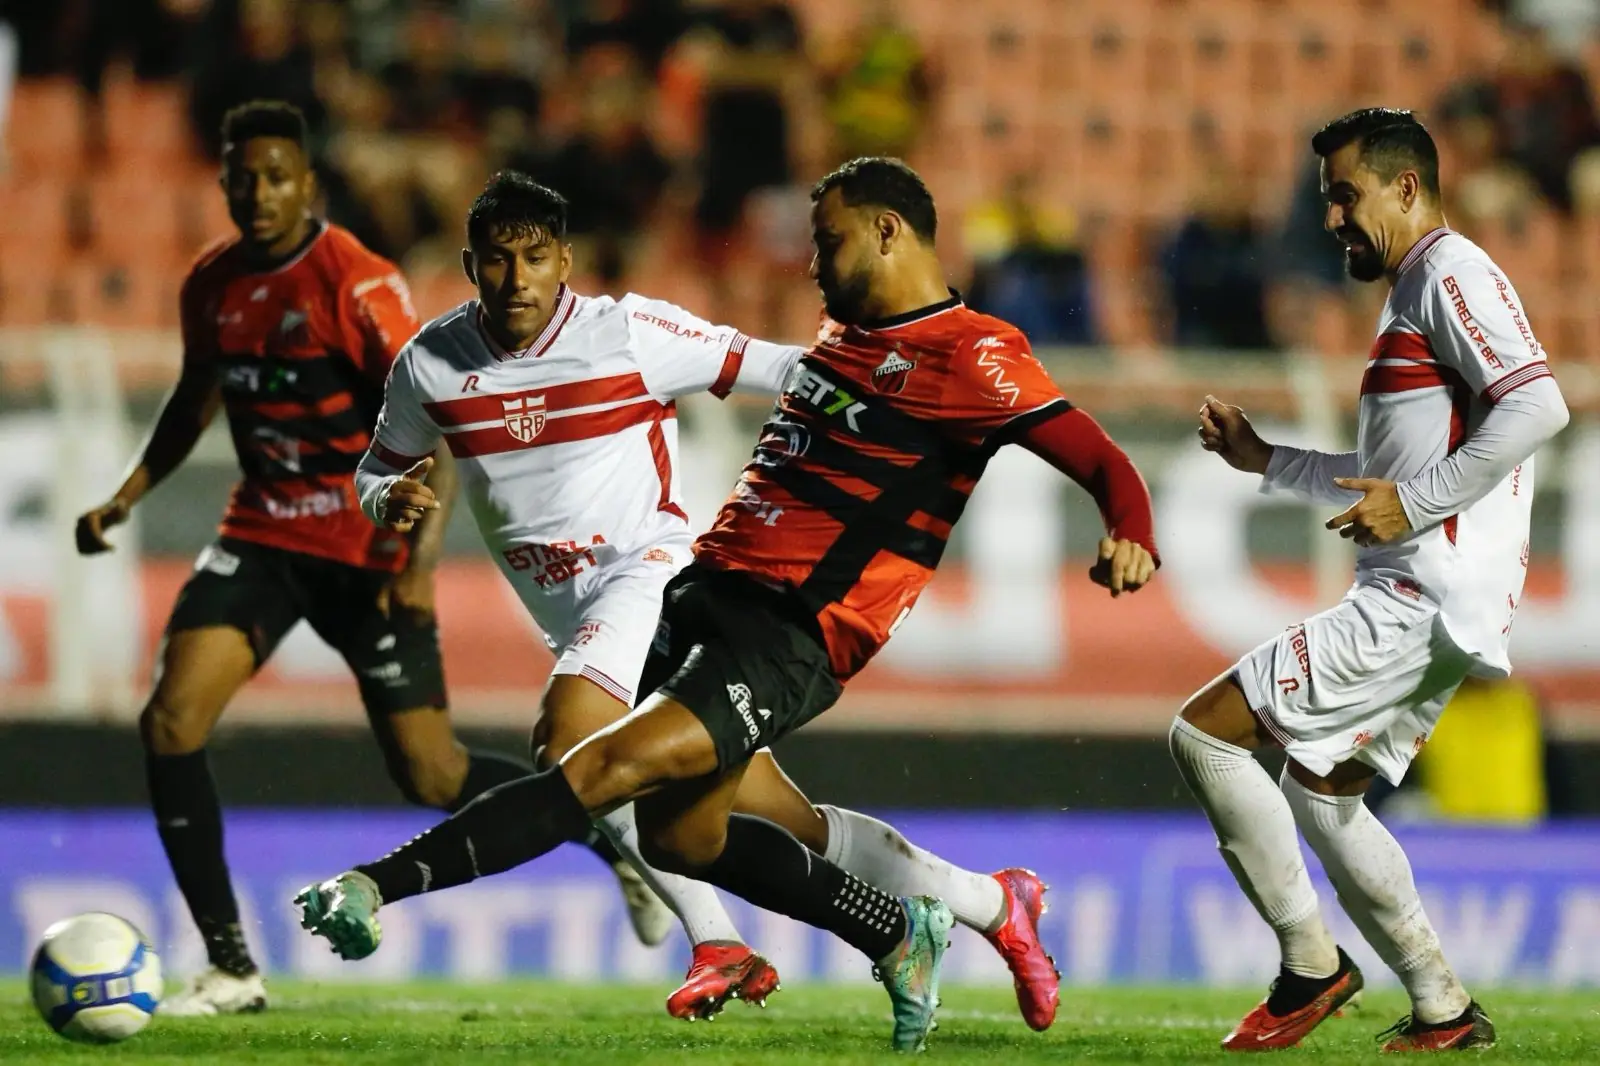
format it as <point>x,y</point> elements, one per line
<point>603,773</point>
<point>682,846</point>
<point>434,783</point>
<point>173,727</point>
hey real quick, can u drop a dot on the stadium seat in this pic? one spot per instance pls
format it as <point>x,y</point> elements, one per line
<point>44,131</point>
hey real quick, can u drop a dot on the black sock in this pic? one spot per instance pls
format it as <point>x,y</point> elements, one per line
<point>485,770</point>
<point>501,829</point>
<point>764,864</point>
<point>489,769</point>
<point>189,820</point>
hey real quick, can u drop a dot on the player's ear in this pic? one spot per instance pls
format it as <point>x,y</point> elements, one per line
<point>1410,189</point>
<point>566,261</point>
<point>891,227</point>
<point>467,267</point>
<point>308,186</point>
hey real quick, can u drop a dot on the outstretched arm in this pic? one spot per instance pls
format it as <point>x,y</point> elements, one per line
<point>1074,443</point>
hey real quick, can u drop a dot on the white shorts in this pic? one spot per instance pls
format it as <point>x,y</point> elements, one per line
<point>1367,680</point>
<point>601,623</point>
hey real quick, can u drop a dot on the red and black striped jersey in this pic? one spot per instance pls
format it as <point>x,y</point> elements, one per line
<point>867,463</point>
<point>301,353</point>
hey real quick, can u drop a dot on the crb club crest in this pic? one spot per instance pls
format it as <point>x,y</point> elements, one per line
<point>890,376</point>
<point>525,417</point>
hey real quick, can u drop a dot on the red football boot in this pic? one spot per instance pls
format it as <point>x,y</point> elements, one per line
<point>1471,1029</point>
<point>1295,1006</point>
<point>718,973</point>
<point>1033,973</point>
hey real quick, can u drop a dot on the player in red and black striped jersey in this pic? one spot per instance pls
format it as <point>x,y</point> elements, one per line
<point>882,430</point>
<point>291,327</point>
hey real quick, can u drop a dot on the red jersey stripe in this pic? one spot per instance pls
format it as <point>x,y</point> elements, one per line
<point>663,459</point>
<point>287,409</point>
<point>1515,380</point>
<point>494,440</point>
<point>1402,377</point>
<point>489,407</point>
<point>1413,346</point>
<point>730,368</point>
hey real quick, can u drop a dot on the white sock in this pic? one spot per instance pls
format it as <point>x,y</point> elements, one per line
<point>876,852</point>
<point>1373,878</point>
<point>1255,833</point>
<point>695,903</point>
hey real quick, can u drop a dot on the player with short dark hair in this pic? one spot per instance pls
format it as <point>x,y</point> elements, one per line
<point>880,434</point>
<point>1456,399</point>
<point>291,326</point>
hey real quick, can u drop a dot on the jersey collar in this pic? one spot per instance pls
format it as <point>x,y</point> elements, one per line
<point>1420,249</point>
<point>566,301</point>
<point>916,315</point>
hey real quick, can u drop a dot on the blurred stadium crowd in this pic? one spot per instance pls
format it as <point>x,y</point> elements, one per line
<point>1124,172</point>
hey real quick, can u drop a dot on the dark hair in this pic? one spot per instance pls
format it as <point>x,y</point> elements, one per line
<point>511,200</point>
<point>264,118</point>
<point>883,182</point>
<point>1391,140</point>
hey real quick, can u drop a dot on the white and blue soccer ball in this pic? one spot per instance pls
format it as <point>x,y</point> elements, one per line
<point>96,978</point>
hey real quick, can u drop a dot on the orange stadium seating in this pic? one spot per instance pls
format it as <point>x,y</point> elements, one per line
<point>1115,106</point>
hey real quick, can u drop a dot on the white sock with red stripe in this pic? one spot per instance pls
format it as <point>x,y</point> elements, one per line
<point>1373,878</point>
<point>878,854</point>
<point>1256,835</point>
<point>695,903</point>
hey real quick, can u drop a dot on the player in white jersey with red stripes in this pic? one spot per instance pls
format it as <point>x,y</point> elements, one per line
<point>559,411</point>
<point>1456,398</point>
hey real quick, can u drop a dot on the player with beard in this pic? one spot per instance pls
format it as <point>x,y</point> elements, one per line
<point>291,327</point>
<point>1456,398</point>
<point>882,430</point>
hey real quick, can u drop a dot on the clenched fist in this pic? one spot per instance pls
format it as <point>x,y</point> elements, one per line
<point>93,526</point>
<point>1123,566</point>
<point>1225,430</point>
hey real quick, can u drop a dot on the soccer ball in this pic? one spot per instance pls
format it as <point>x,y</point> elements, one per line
<point>96,978</point>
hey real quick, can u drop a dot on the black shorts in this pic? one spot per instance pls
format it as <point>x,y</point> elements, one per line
<point>748,660</point>
<point>264,591</point>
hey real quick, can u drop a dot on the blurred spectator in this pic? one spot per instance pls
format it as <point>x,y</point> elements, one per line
<point>405,141</point>
<point>647,28</point>
<point>1567,23</point>
<point>1215,269</point>
<point>1028,269</point>
<point>1543,111</point>
<point>251,50</point>
<point>151,32</point>
<point>609,168</point>
<point>752,63</point>
<point>876,83</point>
<point>1480,187</point>
<point>1307,264</point>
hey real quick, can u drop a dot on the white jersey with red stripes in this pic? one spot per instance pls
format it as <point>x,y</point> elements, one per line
<point>1452,341</point>
<point>567,450</point>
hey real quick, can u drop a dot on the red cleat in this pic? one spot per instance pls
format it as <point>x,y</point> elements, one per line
<point>1033,973</point>
<point>718,973</point>
<point>1265,1030</point>
<point>1472,1029</point>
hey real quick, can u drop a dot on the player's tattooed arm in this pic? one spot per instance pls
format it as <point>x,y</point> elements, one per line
<point>184,416</point>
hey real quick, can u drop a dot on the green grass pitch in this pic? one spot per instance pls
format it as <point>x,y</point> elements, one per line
<point>526,1022</point>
